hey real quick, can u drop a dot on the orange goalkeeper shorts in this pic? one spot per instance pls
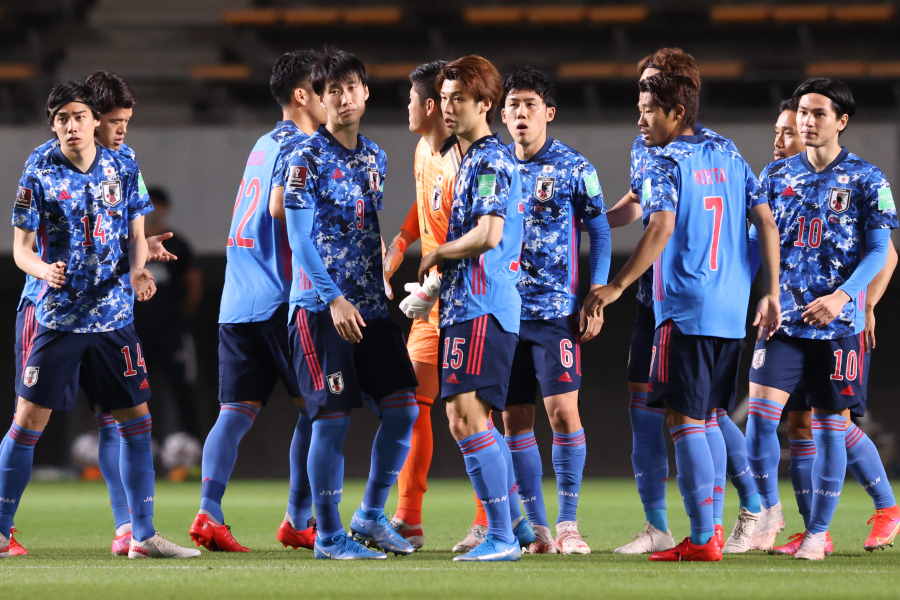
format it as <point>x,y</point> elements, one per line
<point>423,342</point>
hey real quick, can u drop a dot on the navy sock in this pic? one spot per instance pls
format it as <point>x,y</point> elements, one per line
<point>569,451</point>
<point>515,509</point>
<point>109,442</point>
<point>326,471</point>
<point>390,447</point>
<point>299,508</point>
<point>138,476</point>
<point>828,470</point>
<point>803,453</point>
<point>529,471</point>
<point>763,448</point>
<point>16,458</point>
<point>696,475</point>
<point>649,458</point>
<point>220,453</point>
<point>738,466</point>
<point>719,457</point>
<point>486,467</point>
<point>865,463</point>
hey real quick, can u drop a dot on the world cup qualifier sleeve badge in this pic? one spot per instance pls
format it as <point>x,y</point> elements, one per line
<point>112,192</point>
<point>838,199</point>
<point>543,188</point>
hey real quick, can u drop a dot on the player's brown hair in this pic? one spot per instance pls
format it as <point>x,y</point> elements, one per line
<point>478,77</point>
<point>669,90</point>
<point>672,60</point>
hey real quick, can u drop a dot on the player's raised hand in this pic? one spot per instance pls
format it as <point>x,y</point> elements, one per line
<point>768,316</point>
<point>392,258</point>
<point>347,320</point>
<point>870,329</point>
<point>599,297</point>
<point>55,274</point>
<point>825,309</point>
<point>589,325</point>
<point>158,252</point>
<point>143,284</point>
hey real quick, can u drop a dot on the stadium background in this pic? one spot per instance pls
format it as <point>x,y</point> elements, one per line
<point>200,71</point>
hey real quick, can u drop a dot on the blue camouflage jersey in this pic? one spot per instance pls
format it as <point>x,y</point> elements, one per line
<point>346,190</point>
<point>823,218</point>
<point>83,220</point>
<point>258,268</point>
<point>563,190</point>
<point>701,281</point>
<point>488,183</point>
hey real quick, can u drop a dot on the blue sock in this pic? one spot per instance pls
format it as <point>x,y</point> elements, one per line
<point>649,458</point>
<point>220,453</point>
<point>390,447</point>
<point>515,509</point>
<point>299,508</point>
<point>569,451</point>
<point>720,460</point>
<point>138,476</point>
<point>486,467</point>
<point>828,470</point>
<point>326,471</point>
<point>109,442</point>
<point>529,471</point>
<point>696,474</point>
<point>803,453</point>
<point>763,448</point>
<point>865,463</point>
<point>738,466</point>
<point>16,458</point>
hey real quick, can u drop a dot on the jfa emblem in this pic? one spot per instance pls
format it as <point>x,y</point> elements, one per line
<point>374,180</point>
<point>112,192</point>
<point>30,377</point>
<point>838,199</point>
<point>436,193</point>
<point>543,188</point>
<point>759,358</point>
<point>336,383</point>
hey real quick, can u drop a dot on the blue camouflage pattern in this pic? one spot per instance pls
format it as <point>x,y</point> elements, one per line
<point>346,190</point>
<point>563,190</point>
<point>83,220</point>
<point>834,209</point>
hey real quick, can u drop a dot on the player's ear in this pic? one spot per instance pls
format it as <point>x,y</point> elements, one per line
<point>299,95</point>
<point>551,113</point>
<point>430,107</point>
<point>503,115</point>
<point>842,122</point>
<point>366,90</point>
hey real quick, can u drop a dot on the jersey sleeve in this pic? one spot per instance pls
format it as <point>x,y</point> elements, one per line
<point>753,188</point>
<point>382,166</point>
<point>588,196</point>
<point>634,168</point>
<point>659,190</point>
<point>279,169</point>
<point>492,186</point>
<point>300,182</point>
<point>879,208</point>
<point>26,212</point>
<point>135,191</point>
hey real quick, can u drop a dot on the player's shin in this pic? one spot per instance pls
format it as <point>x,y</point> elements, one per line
<point>138,476</point>
<point>649,458</point>
<point>696,474</point>
<point>526,457</point>
<point>413,480</point>
<point>220,453</point>
<point>739,471</point>
<point>487,470</point>
<point>16,458</point>
<point>108,455</point>
<point>719,456</point>
<point>803,453</point>
<point>299,508</point>
<point>515,508</point>
<point>829,468</point>
<point>326,471</point>
<point>864,462</point>
<point>763,449</point>
<point>569,452</point>
<point>390,447</point>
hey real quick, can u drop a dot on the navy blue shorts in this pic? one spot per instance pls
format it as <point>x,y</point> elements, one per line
<point>253,356</point>
<point>109,366</point>
<point>547,359</point>
<point>693,374</point>
<point>477,356</point>
<point>640,351</point>
<point>335,376</point>
<point>26,329</point>
<point>833,374</point>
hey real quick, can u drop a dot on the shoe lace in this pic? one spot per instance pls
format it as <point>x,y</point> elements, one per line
<point>797,537</point>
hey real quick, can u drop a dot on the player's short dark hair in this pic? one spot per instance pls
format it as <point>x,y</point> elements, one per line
<point>159,196</point>
<point>424,80</point>
<point>672,60</point>
<point>530,78</point>
<point>787,104</point>
<point>110,91</point>
<point>291,70</point>
<point>669,90</point>
<point>69,91</point>
<point>478,77</point>
<point>335,66</point>
<point>837,91</point>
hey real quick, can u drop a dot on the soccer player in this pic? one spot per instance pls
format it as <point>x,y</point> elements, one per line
<point>564,196</point>
<point>480,306</point>
<point>834,212</point>
<point>85,201</point>
<point>698,193</point>
<point>253,343</point>
<point>435,164</point>
<point>344,346</point>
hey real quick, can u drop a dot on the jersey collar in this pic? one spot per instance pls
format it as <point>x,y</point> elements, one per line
<point>537,154</point>
<point>478,141</point>
<point>448,144</point>
<point>59,156</point>
<point>840,157</point>
<point>333,141</point>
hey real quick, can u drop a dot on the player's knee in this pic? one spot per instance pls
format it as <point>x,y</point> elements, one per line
<point>799,425</point>
<point>562,412</point>
<point>518,419</point>
<point>31,416</point>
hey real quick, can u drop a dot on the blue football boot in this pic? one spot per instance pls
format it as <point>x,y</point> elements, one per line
<point>375,530</point>
<point>342,547</point>
<point>492,550</point>
<point>524,532</point>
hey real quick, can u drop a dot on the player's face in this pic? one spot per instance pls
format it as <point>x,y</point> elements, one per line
<point>345,100</point>
<point>417,113</point>
<point>818,122</point>
<point>74,126</point>
<point>787,141</point>
<point>526,116</point>
<point>658,128</point>
<point>114,127</point>
<point>462,113</point>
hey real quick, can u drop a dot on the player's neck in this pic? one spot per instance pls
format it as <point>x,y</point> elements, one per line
<point>81,159</point>
<point>301,119</point>
<point>346,135</point>
<point>436,136</point>
<point>527,151</point>
<point>822,156</point>
<point>473,135</point>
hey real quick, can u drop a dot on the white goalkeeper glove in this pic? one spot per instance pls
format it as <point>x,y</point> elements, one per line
<point>417,305</point>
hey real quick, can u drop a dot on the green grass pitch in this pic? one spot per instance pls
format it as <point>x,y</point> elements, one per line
<point>66,527</point>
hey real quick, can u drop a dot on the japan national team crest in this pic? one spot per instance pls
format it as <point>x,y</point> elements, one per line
<point>112,192</point>
<point>30,376</point>
<point>543,188</point>
<point>759,358</point>
<point>336,382</point>
<point>838,199</point>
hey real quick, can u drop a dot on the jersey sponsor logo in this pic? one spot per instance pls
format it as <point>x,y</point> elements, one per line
<point>592,184</point>
<point>487,185</point>
<point>759,358</point>
<point>886,200</point>
<point>23,198</point>
<point>297,178</point>
<point>544,187</point>
<point>112,192</point>
<point>336,382</point>
<point>838,199</point>
<point>436,193</point>
<point>30,376</point>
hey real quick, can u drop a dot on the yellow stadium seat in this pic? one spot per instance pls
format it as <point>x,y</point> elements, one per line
<point>252,16</point>
<point>740,13</point>
<point>837,68</point>
<point>864,13</point>
<point>233,72</point>
<point>801,13</point>
<point>311,16</point>
<point>16,71</point>
<point>559,14</point>
<point>493,15</point>
<point>596,70</point>
<point>373,15</point>
<point>618,13</point>
<point>390,71</point>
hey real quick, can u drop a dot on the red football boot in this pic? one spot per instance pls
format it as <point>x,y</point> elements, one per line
<point>15,548</point>
<point>794,542</point>
<point>296,538</point>
<point>212,536</point>
<point>686,551</point>
<point>885,527</point>
<point>121,544</point>
<point>719,535</point>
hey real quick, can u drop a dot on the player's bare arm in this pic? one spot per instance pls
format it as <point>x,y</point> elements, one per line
<point>276,202</point>
<point>394,254</point>
<point>141,279</point>
<point>29,261</point>
<point>485,235</point>
<point>768,310</point>
<point>626,211</point>
<point>876,291</point>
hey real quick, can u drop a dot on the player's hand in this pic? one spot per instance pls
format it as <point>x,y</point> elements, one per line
<point>54,274</point>
<point>825,309</point>
<point>429,260</point>
<point>391,260</point>
<point>143,284</point>
<point>158,252</point>
<point>599,297</point>
<point>589,325</point>
<point>870,328</point>
<point>768,316</point>
<point>421,298</point>
<point>347,320</point>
